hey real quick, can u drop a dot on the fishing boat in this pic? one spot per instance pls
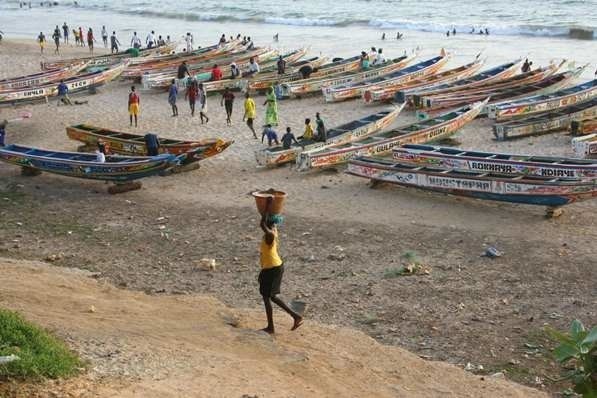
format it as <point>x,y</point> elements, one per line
<point>134,145</point>
<point>319,77</point>
<point>424,100</point>
<point>543,103</point>
<point>548,85</point>
<point>85,165</point>
<point>109,59</point>
<point>401,76</point>
<point>501,163</point>
<point>75,84</point>
<point>41,78</point>
<point>586,145</point>
<point>489,76</point>
<point>351,131</point>
<point>262,81</point>
<point>388,93</point>
<point>551,192</point>
<point>545,123</point>
<point>379,144</point>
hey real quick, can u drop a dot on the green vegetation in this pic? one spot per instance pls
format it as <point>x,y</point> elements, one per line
<point>579,349</point>
<point>40,354</point>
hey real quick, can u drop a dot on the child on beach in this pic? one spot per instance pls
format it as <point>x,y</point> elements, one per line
<point>271,135</point>
<point>308,134</point>
<point>172,95</point>
<point>202,97</point>
<point>134,106</point>
<point>288,139</point>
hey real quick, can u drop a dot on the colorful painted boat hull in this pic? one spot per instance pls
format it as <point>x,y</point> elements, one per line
<point>547,103</point>
<point>74,164</point>
<point>498,163</point>
<point>383,143</point>
<point>262,81</point>
<point>533,191</point>
<point>348,132</point>
<point>41,78</point>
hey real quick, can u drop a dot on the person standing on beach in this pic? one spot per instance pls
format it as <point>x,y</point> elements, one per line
<point>189,41</point>
<point>182,73</point>
<point>191,95</point>
<point>271,107</point>
<point>281,64</point>
<point>202,97</point>
<point>3,125</point>
<point>114,43</point>
<point>81,39</point>
<point>272,270</point>
<point>526,66</point>
<point>56,37</point>
<point>65,31</point>
<point>320,128</point>
<point>227,102</point>
<point>250,113</point>
<point>41,39</point>
<point>135,41</point>
<point>134,106</point>
<point>76,36</point>
<point>150,40</point>
<point>105,36</point>
<point>90,40</point>
<point>172,95</point>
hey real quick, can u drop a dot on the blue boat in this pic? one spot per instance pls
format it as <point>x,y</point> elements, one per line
<point>85,165</point>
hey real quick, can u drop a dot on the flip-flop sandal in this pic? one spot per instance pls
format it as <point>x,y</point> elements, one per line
<point>297,325</point>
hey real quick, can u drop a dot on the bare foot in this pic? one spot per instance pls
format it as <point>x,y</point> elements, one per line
<point>297,323</point>
<point>267,330</point>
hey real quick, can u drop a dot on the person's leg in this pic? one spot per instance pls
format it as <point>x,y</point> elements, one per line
<point>175,110</point>
<point>131,119</point>
<point>298,320</point>
<point>135,120</point>
<point>269,312</point>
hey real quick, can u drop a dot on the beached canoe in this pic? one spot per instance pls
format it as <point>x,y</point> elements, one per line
<point>542,191</point>
<point>41,78</point>
<point>134,145</point>
<point>75,84</point>
<point>382,143</point>
<point>544,103</point>
<point>84,165</point>
<point>402,76</point>
<point>348,132</point>
<point>486,77</point>
<point>262,81</point>
<point>388,93</point>
<point>551,122</point>
<point>318,79</point>
<point>548,85</point>
<point>586,145</point>
<point>456,159</point>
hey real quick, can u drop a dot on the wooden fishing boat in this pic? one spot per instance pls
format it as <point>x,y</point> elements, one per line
<point>134,145</point>
<point>544,103</point>
<point>351,131</point>
<point>84,165</point>
<point>161,78</point>
<point>545,123</point>
<point>41,78</point>
<point>387,93</point>
<point>491,162</point>
<point>318,78</point>
<point>584,127</point>
<point>551,192</point>
<point>548,85</point>
<point>109,59</point>
<point>381,143</point>
<point>489,76</point>
<point>401,76</point>
<point>262,81</point>
<point>424,100</point>
<point>586,145</point>
<point>75,84</point>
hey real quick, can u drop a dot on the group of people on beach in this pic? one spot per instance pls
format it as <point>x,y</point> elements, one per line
<point>373,58</point>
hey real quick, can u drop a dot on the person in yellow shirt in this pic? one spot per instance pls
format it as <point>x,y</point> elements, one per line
<point>308,134</point>
<point>272,270</point>
<point>250,113</point>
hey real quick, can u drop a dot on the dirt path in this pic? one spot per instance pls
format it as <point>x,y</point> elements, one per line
<point>174,346</point>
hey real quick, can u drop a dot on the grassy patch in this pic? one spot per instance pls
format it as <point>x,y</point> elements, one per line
<point>40,354</point>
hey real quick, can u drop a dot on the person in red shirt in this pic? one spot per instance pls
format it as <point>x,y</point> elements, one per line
<point>134,106</point>
<point>191,95</point>
<point>216,73</point>
<point>81,37</point>
<point>90,40</point>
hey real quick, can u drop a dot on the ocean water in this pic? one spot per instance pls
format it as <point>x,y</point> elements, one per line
<point>538,29</point>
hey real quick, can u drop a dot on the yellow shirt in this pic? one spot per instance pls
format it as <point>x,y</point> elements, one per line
<point>250,108</point>
<point>268,254</point>
<point>308,134</point>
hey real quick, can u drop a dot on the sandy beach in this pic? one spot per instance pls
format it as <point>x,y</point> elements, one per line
<point>339,240</point>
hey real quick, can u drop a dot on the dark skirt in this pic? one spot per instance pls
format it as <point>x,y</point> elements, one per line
<point>270,281</point>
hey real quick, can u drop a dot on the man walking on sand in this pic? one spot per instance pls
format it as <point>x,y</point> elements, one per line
<point>272,270</point>
<point>250,113</point>
<point>134,104</point>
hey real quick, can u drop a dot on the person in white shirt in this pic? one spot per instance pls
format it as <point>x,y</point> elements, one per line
<point>105,36</point>
<point>100,153</point>
<point>150,40</point>
<point>135,41</point>
<point>253,66</point>
<point>189,40</point>
<point>380,59</point>
<point>373,56</point>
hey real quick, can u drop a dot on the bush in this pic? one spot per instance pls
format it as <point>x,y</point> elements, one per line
<point>40,354</point>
